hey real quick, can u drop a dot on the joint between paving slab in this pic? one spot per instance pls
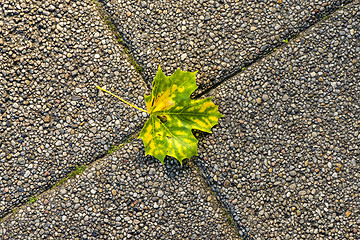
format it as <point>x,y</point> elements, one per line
<point>270,51</point>
<point>118,37</point>
<point>115,32</point>
<point>229,219</point>
<point>32,199</point>
<point>45,188</point>
<point>204,173</point>
<point>78,171</point>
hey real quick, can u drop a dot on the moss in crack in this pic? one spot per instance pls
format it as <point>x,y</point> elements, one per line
<point>272,51</point>
<point>213,193</point>
<point>31,200</point>
<point>115,148</point>
<point>15,210</point>
<point>117,36</point>
<point>229,218</point>
<point>78,171</point>
<point>214,199</point>
<point>132,61</point>
<point>296,36</point>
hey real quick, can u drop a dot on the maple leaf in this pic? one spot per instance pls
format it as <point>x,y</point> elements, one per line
<point>173,115</point>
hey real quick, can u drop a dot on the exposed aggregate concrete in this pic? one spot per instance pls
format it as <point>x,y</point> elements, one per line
<point>52,117</point>
<point>285,159</point>
<point>215,37</point>
<point>124,196</point>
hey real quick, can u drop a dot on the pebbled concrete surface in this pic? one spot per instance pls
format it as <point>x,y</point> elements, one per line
<point>124,196</point>
<point>52,53</point>
<point>285,159</point>
<point>215,37</point>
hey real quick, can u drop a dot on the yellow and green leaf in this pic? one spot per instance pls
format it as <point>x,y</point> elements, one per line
<point>173,115</point>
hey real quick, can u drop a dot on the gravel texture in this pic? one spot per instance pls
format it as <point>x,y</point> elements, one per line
<point>285,159</point>
<point>216,37</point>
<point>52,53</point>
<point>124,196</point>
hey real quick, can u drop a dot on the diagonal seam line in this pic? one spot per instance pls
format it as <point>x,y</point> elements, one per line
<point>259,58</point>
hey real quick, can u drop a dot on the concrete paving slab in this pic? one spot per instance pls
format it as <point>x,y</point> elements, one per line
<point>217,37</point>
<point>285,159</point>
<point>124,196</point>
<point>52,53</point>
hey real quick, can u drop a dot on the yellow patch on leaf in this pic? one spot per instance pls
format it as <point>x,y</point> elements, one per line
<point>162,103</point>
<point>206,106</point>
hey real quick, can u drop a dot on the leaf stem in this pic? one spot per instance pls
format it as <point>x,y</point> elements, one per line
<point>121,99</point>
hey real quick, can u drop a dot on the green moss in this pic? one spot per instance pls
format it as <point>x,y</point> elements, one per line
<point>134,63</point>
<point>297,35</point>
<point>114,148</point>
<point>230,220</point>
<point>272,51</point>
<point>78,171</point>
<point>32,200</point>
<point>120,41</point>
<point>118,37</point>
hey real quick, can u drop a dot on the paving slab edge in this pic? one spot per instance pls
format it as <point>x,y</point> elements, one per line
<point>230,220</point>
<point>201,91</point>
<point>73,176</point>
<point>269,51</point>
<point>98,6</point>
<point>210,91</point>
<point>107,19</point>
<point>70,177</point>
